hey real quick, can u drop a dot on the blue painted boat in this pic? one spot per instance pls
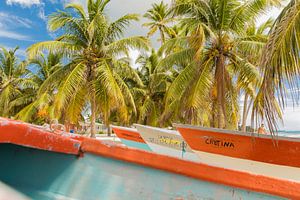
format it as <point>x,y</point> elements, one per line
<point>44,166</point>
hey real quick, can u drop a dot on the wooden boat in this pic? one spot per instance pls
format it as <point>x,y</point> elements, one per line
<point>130,137</point>
<point>235,150</point>
<point>168,142</point>
<point>44,165</point>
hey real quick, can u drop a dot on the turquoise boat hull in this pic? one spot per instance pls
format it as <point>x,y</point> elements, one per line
<point>137,145</point>
<point>45,175</point>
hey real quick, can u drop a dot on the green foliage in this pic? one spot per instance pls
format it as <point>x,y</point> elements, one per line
<point>214,46</point>
<point>160,16</point>
<point>16,83</point>
<point>212,52</point>
<point>280,60</point>
<point>93,45</point>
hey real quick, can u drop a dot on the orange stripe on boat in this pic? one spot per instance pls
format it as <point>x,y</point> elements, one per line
<point>258,183</point>
<point>128,134</point>
<point>19,133</point>
<point>243,146</point>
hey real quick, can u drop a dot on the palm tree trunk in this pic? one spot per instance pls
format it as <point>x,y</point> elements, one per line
<point>220,69</point>
<point>108,128</point>
<point>93,115</point>
<point>162,36</point>
<point>245,113</point>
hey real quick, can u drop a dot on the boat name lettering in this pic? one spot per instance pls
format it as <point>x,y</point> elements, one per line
<point>219,142</point>
<point>169,141</point>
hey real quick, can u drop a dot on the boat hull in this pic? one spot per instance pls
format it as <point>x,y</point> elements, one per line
<point>166,142</point>
<point>45,175</point>
<point>47,165</point>
<point>242,152</point>
<point>130,137</point>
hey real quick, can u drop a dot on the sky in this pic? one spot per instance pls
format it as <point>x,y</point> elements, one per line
<point>24,22</point>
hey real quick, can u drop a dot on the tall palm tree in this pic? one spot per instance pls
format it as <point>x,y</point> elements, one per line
<point>94,44</point>
<point>160,17</point>
<point>40,108</point>
<point>216,31</point>
<point>16,86</point>
<point>281,63</point>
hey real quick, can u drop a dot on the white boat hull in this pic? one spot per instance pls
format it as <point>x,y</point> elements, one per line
<point>250,166</point>
<point>166,142</point>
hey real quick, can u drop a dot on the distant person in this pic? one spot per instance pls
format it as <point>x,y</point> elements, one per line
<point>261,129</point>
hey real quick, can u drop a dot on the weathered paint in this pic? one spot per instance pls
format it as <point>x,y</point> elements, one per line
<point>130,137</point>
<point>200,171</point>
<point>23,134</point>
<point>45,175</point>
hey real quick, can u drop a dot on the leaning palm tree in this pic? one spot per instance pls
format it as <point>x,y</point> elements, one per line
<point>160,17</point>
<point>43,97</point>
<point>281,62</point>
<point>208,85</point>
<point>93,44</point>
<point>16,85</point>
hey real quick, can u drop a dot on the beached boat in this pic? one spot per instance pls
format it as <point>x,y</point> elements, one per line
<point>44,165</point>
<point>168,142</point>
<point>260,154</point>
<point>130,137</point>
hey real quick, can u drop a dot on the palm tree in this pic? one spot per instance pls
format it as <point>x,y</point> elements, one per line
<point>150,95</point>
<point>160,16</point>
<point>280,60</point>
<point>208,85</point>
<point>253,53</point>
<point>16,85</point>
<point>40,108</point>
<point>93,44</point>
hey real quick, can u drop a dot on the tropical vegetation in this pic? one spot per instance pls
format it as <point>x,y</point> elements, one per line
<point>212,56</point>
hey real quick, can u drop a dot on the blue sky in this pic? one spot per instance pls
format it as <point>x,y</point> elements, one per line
<point>24,22</point>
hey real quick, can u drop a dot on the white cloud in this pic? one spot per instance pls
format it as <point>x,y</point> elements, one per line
<point>13,35</point>
<point>82,2</point>
<point>24,3</point>
<point>41,13</point>
<point>9,20</point>
<point>29,3</point>
<point>291,118</point>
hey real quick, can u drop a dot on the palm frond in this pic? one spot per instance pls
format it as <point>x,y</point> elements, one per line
<point>122,46</point>
<point>70,85</point>
<point>58,47</point>
<point>281,63</point>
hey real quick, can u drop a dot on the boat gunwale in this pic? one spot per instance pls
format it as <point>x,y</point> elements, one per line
<point>173,132</point>
<point>124,128</point>
<point>234,132</point>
